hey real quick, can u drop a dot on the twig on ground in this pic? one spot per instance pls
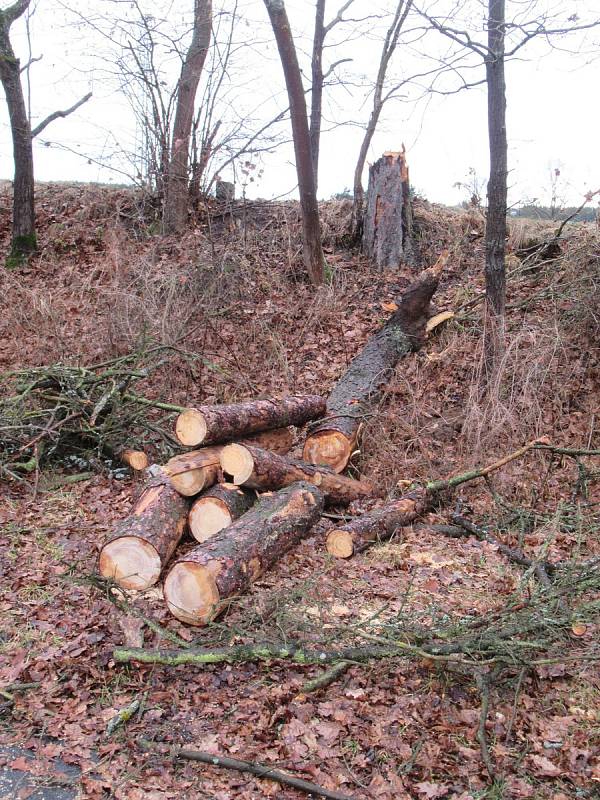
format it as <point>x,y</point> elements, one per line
<point>326,678</point>
<point>484,682</point>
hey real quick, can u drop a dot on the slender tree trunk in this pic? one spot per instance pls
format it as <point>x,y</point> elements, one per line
<point>496,226</point>
<point>316,96</point>
<point>23,232</point>
<point>314,259</point>
<point>176,201</point>
<point>358,207</point>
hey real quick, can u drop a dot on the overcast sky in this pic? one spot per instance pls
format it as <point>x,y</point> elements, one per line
<point>553,110</point>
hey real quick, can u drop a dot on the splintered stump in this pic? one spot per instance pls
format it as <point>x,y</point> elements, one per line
<point>226,564</point>
<point>258,469</point>
<point>332,441</point>
<point>216,508</point>
<point>141,544</point>
<point>136,459</point>
<point>192,472</point>
<point>216,424</point>
<point>388,224</point>
<point>376,526</point>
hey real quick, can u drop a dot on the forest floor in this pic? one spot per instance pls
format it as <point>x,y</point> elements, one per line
<point>229,301</point>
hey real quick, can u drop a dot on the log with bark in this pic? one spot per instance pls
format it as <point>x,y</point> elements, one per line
<point>141,544</point>
<point>136,459</point>
<point>388,222</point>
<point>332,440</point>
<point>217,424</point>
<point>192,472</point>
<point>255,468</point>
<point>197,585</point>
<point>218,507</point>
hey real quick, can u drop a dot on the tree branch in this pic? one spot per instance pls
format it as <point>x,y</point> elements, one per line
<point>56,114</point>
<point>15,11</point>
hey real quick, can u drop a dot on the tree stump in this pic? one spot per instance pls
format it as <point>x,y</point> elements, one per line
<point>388,223</point>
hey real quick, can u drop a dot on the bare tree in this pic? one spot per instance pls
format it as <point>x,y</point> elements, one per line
<point>176,199</point>
<point>380,97</point>
<point>23,228</point>
<point>314,259</point>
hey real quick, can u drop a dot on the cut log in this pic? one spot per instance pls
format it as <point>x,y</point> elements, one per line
<point>226,564</point>
<point>332,441</point>
<point>136,459</point>
<point>388,221</point>
<point>216,424</point>
<point>192,472</point>
<point>216,508</point>
<point>377,525</point>
<point>258,469</point>
<point>140,545</point>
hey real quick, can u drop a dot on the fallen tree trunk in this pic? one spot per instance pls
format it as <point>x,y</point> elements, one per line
<point>192,472</point>
<point>216,424</point>
<point>381,523</point>
<point>376,526</point>
<point>226,564</point>
<point>141,545</point>
<point>217,508</point>
<point>258,469</point>
<point>333,440</point>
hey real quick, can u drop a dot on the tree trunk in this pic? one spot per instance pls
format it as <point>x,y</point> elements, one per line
<point>358,202</point>
<point>142,544</point>
<point>314,259</point>
<point>215,424</point>
<point>258,469</point>
<point>316,94</point>
<point>496,226</point>
<point>333,440</point>
<point>217,508</point>
<point>176,201</point>
<point>375,526</point>
<point>190,473</point>
<point>226,565</point>
<point>23,230</point>
<point>387,232</point>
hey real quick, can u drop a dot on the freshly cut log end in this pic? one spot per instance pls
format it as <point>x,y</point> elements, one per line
<point>190,427</point>
<point>237,461</point>
<point>191,593</point>
<point>131,562</point>
<point>217,508</point>
<point>136,459</point>
<point>329,448</point>
<point>339,543</point>
<point>190,483</point>
<point>192,472</point>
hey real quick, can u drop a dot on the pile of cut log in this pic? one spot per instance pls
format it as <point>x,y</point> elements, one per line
<point>244,451</point>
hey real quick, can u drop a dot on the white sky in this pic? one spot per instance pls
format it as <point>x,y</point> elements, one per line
<point>553,110</point>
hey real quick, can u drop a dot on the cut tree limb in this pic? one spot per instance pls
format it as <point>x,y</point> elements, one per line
<point>216,508</point>
<point>332,441</point>
<point>136,459</point>
<point>216,424</point>
<point>226,564</point>
<point>141,544</point>
<point>255,468</point>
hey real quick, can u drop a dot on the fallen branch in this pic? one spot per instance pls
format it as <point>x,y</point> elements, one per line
<point>261,771</point>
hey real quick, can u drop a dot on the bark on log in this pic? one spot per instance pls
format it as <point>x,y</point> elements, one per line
<point>377,525</point>
<point>388,225</point>
<point>258,469</point>
<point>216,424</point>
<point>141,544</point>
<point>217,508</point>
<point>192,472</point>
<point>225,565</point>
<point>332,441</point>
<point>136,459</point>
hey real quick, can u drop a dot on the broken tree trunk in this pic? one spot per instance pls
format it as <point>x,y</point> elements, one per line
<point>226,564</point>
<point>141,544</point>
<point>377,525</point>
<point>388,227</point>
<point>258,469</point>
<point>332,440</point>
<point>216,424</point>
<point>192,472</point>
<point>217,508</point>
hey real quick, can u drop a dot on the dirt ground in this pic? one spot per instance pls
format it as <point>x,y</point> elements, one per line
<point>230,301</point>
